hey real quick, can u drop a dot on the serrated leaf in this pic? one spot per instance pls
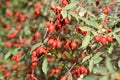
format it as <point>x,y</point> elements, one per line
<point>74,15</point>
<point>64,13</point>
<point>109,64</point>
<point>100,70</point>
<point>97,55</point>
<point>86,41</point>
<point>119,63</point>
<point>97,60</point>
<point>70,6</point>
<point>91,65</point>
<point>85,59</point>
<point>45,66</point>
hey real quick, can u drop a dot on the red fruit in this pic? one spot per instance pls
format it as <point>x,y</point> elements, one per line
<point>53,70</point>
<point>66,20</point>
<point>103,40</point>
<point>34,54</point>
<point>73,45</point>
<point>59,16</point>
<point>34,64</point>
<point>15,66</point>
<point>50,41</point>
<point>106,10</point>
<point>32,76</point>
<point>14,58</point>
<point>18,27</point>
<point>9,13</point>
<point>97,2</point>
<point>97,37</point>
<point>37,34</point>
<point>34,59</point>
<point>48,24</point>
<point>38,6</point>
<point>8,44</point>
<point>63,78</point>
<point>59,44</point>
<point>64,2</point>
<point>66,44</point>
<point>82,55</point>
<point>106,20</point>
<point>109,38</point>
<point>51,29</point>
<point>74,59</point>
<point>36,12</point>
<point>7,3</point>
<point>54,45</point>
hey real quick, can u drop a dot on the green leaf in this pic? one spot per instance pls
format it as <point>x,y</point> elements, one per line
<point>86,58</point>
<point>92,23</point>
<point>110,49</point>
<point>91,65</point>
<point>97,60</point>
<point>64,13</point>
<point>117,0</point>
<point>97,55</point>
<point>91,77</point>
<point>106,77</point>
<point>45,66</point>
<point>74,15</point>
<point>109,64</point>
<point>117,38</point>
<point>70,6</point>
<point>119,63</point>
<point>100,70</point>
<point>35,46</point>
<point>86,41</point>
<point>7,55</point>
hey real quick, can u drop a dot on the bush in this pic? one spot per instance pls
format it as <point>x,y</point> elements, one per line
<point>59,39</point>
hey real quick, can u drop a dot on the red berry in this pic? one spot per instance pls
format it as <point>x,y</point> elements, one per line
<point>103,40</point>
<point>109,38</point>
<point>73,45</point>
<point>34,64</point>
<point>97,37</point>
<point>37,34</point>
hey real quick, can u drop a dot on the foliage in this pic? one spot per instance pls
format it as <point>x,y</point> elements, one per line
<point>59,39</point>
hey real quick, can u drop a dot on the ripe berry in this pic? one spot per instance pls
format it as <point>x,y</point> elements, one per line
<point>37,34</point>
<point>103,40</point>
<point>73,45</point>
<point>109,38</point>
<point>97,37</point>
<point>34,64</point>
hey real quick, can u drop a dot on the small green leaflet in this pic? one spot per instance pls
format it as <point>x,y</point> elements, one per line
<point>92,23</point>
<point>109,65</point>
<point>119,63</point>
<point>74,15</point>
<point>70,6</point>
<point>106,77</point>
<point>91,65</point>
<point>86,41</point>
<point>86,58</point>
<point>45,66</point>
<point>91,77</point>
<point>64,13</point>
<point>117,38</point>
<point>7,55</point>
